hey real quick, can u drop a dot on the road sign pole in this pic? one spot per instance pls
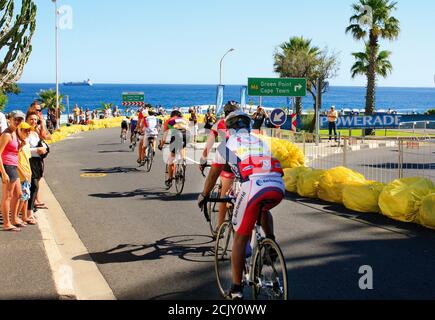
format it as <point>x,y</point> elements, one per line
<point>318,90</point>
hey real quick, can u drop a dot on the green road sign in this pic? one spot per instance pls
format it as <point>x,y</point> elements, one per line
<point>283,87</point>
<point>133,97</point>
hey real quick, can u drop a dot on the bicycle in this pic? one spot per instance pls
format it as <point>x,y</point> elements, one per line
<point>124,136</point>
<point>149,158</point>
<point>265,268</point>
<point>212,209</point>
<point>135,141</point>
<point>179,175</point>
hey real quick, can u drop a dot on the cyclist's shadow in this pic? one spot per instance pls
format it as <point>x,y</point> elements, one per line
<point>185,248</point>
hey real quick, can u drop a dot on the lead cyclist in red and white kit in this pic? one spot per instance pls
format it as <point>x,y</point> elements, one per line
<point>262,187</point>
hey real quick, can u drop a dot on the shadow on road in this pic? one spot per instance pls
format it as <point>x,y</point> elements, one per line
<point>147,194</point>
<point>416,166</point>
<point>111,170</point>
<point>115,151</point>
<point>194,248</point>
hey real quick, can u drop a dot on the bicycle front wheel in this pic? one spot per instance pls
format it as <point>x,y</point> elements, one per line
<point>180,178</point>
<point>223,256</point>
<point>270,273</point>
<point>213,210</point>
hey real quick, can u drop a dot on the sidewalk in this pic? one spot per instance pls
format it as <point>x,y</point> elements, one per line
<point>37,263</point>
<point>24,267</point>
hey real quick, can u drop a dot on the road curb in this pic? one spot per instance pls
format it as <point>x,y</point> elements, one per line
<point>74,279</point>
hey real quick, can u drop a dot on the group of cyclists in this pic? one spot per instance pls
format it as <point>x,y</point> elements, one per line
<point>145,127</point>
<point>241,157</point>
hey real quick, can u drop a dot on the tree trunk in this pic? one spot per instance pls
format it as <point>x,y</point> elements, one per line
<point>371,79</point>
<point>299,106</point>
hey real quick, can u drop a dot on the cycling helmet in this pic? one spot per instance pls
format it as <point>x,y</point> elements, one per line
<point>238,120</point>
<point>176,113</point>
<point>230,107</point>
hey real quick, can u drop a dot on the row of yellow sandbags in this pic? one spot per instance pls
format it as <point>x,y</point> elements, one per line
<point>407,200</point>
<point>65,132</point>
<point>290,155</point>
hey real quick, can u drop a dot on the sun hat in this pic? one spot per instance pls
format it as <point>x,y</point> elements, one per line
<point>18,114</point>
<point>25,126</point>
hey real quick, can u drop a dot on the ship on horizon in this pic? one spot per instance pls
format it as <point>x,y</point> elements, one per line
<point>86,83</point>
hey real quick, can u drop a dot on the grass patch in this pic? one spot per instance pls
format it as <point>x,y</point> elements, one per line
<point>379,133</point>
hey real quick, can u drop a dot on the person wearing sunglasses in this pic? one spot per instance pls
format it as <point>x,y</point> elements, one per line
<point>11,190</point>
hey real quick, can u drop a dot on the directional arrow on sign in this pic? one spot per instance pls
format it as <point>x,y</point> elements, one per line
<point>278,117</point>
<point>298,87</point>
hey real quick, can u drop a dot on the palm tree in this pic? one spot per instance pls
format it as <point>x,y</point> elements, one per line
<point>47,99</point>
<point>296,58</point>
<point>107,106</point>
<point>361,66</point>
<point>372,21</point>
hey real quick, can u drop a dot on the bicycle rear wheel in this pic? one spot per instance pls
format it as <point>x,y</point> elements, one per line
<point>167,175</point>
<point>180,178</point>
<point>223,253</point>
<point>270,272</point>
<point>150,157</point>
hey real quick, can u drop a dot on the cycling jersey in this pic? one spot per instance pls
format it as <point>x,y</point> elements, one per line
<point>134,123</point>
<point>262,186</point>
<point>247,155</point>
<point>176,123</point>
<point>220,128</point>
<point>151,126</point>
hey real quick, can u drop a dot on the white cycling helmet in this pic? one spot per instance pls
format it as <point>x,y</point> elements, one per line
<point>238,120</point>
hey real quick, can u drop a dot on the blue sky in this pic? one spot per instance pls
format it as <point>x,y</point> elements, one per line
<point>181,42</point>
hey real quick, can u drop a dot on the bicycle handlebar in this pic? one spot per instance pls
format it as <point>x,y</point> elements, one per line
<point>208,200</point>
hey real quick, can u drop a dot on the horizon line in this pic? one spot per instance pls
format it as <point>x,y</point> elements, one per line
<point>208,84</point>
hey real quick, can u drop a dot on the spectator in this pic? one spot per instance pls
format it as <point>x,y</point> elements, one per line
<point>52,120</point>
<point>36,163</point>
<point>82,116</point>
<point>76,112</point>
<point>210,120</point>
<point>11,191</point>
<point>194,123</point>
<point>332,120</point>
<point>25,173</point>
<point>35,107</point>
<point>259,117</point>
<point>88,116</point>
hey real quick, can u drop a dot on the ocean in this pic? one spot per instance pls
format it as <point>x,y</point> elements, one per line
<point>403,100</point>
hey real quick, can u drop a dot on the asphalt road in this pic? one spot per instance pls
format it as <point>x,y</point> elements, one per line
<point>150,244</point>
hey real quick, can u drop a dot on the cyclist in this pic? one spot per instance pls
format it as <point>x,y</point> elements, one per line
<point>133,126</point>
<point>124,127</point>
<point>178,127</point>
<point>143,113</point>
<point>151,132</point>
<point>227,176</point>
<point>262,187</point>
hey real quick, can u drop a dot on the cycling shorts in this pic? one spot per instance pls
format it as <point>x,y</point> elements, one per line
<point>124,125</point>
<point>260,192</point>
<point>227,173</point>
<point>178,141</point>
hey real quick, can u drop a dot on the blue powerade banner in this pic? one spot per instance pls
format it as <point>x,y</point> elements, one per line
<point>375,121</point>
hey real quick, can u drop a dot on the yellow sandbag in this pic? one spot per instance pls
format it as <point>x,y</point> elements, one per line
<point>401,199</point>
<point>291,177</point>
<point>363,198</point>
<point>334,180</point>
<point>426,215</point>
<point>308,183</point>
<point>286,152</point>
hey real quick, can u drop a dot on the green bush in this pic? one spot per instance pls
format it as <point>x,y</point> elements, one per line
<point>306,122</point>
<point>430,112</point>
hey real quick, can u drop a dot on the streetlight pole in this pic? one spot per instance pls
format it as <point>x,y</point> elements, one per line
<point>57,61</point>
<point>220,73</point>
